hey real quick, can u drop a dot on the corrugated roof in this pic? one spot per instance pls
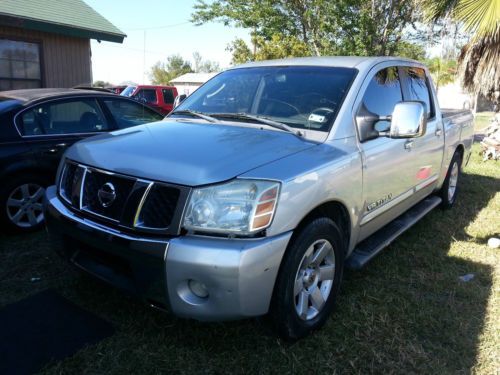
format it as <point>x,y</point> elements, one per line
<point>68,17</point>
<point>193,78</point>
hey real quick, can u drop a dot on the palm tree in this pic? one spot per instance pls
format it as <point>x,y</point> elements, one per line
<point>479,59</point>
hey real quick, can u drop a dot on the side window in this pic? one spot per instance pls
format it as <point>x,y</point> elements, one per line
<point>382,95</point>
<point>168,96</point>
<point>63,117</point>
<point>128,113</point>
<point>147,95</point>
<point>418,87</point>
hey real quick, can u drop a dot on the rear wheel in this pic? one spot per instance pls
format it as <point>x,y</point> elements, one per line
<point>449,190</point>
<point>309,280</point>
<point>21,203</point>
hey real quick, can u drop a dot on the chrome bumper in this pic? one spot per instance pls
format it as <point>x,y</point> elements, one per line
<point>239,274</point>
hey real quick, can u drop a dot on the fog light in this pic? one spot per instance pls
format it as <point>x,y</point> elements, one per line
<point>198,289</point>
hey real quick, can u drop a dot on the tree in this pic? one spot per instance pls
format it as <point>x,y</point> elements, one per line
<point>478,62</point>
<point>175,66</point>
<point>204,66</point>
<point>442,71</point>
<point>314,27</point>
<point>101,84</point>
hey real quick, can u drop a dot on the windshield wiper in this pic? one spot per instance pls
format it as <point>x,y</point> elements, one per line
<point>262,120</point>
<point>194,114</point>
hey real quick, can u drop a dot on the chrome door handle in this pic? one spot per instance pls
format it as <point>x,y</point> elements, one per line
<point>438,132</point>
<point>408,145</point>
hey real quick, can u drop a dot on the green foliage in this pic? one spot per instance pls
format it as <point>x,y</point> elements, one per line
<point>278,47</point>
<point>442,71</point>
<point>175,66</point>
<point>204,66</point>
<point>101,84</point>
<point>410,50</point>
<point>478,16</point>
<point>478,60</point>
<point>282,28</point>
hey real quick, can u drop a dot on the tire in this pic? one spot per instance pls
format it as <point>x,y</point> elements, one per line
<point>450,188</point>
<point>294,315</point>
<point>22,195</point>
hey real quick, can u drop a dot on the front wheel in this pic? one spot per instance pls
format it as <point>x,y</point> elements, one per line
<point>21,203</point>
<point>309,279</point>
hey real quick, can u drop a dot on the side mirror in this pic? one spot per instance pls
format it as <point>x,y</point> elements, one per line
<point>409,120</point>
<point>179,99</point>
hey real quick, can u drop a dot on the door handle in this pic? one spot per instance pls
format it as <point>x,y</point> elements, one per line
<point>56,148</point>
<point>438,132</point>
<point>408,145</point>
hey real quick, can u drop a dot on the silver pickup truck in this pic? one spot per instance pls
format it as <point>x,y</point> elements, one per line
<point>252,196</point>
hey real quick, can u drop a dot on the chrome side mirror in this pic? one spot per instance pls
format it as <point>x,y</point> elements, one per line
<point>409,120</point>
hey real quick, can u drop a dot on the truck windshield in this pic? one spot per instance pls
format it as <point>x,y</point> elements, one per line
<point>302,97</point>
<point>129,90</point>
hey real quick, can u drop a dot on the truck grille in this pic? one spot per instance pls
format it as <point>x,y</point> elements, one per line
<point>93,182</point>
<point>121,200</point>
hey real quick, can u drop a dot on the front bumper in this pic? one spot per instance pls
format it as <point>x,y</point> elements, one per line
<point>239,274</point>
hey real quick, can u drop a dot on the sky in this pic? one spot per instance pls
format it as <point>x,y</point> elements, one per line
<point>155,29</point>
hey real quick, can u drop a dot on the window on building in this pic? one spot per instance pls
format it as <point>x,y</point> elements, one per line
<point>19,65</point>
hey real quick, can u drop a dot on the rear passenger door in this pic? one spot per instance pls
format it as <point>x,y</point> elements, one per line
<point>51,127</point>
<point>429,148</point>
<point>168,100</point>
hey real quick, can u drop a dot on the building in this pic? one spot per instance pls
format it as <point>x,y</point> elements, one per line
<point>47,43</point>
<point>187,83</point>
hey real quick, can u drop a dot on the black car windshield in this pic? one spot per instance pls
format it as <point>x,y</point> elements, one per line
<point>302,97</point>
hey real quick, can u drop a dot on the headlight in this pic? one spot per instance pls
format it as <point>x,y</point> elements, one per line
<point>239,206</point>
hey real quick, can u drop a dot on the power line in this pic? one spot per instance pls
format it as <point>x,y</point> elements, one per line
<point>156,27</point>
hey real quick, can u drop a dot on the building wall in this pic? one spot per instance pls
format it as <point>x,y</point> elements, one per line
<point>66,61</point>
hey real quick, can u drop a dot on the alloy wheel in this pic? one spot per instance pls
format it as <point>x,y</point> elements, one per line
<point>452,185</point>
<point>24,205</point>
<point>314,279</point>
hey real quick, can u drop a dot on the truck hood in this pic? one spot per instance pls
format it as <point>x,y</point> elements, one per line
<point>184,152</point>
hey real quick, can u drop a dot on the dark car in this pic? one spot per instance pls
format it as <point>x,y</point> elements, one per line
<point>36,126</point>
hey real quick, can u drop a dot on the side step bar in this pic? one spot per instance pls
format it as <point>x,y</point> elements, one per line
<point>371,246</point>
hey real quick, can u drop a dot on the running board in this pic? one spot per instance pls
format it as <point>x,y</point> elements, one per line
<point>371,246</point>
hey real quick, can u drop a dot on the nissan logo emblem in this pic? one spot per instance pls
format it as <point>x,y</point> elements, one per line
<point>106,194</point>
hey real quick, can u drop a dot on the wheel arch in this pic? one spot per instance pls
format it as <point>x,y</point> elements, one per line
<point>334,210</point>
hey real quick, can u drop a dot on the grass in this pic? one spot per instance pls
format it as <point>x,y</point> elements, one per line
<point>407,312</point>
<point>482,120</point>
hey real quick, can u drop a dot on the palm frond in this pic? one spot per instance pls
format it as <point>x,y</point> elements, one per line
<point>479,64</point>
<point>479,16</point>
<point>437,9</point>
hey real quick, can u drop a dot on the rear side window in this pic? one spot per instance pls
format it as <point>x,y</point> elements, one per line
<point>128,113</point>
<point>63,117</point>
<point>168,96</point>
<point>382,95</point>
<point>418,87</point>
<point>146,95</point>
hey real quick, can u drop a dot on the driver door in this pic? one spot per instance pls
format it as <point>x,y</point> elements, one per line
<point>388,174</point>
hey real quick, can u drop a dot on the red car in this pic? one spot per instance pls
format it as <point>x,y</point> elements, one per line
<point>160,98</point>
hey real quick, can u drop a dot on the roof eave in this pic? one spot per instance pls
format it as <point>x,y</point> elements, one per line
<point>57,28</point>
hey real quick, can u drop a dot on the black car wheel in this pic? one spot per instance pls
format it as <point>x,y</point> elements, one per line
<point>21,199</point>
<point>309,279</point>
